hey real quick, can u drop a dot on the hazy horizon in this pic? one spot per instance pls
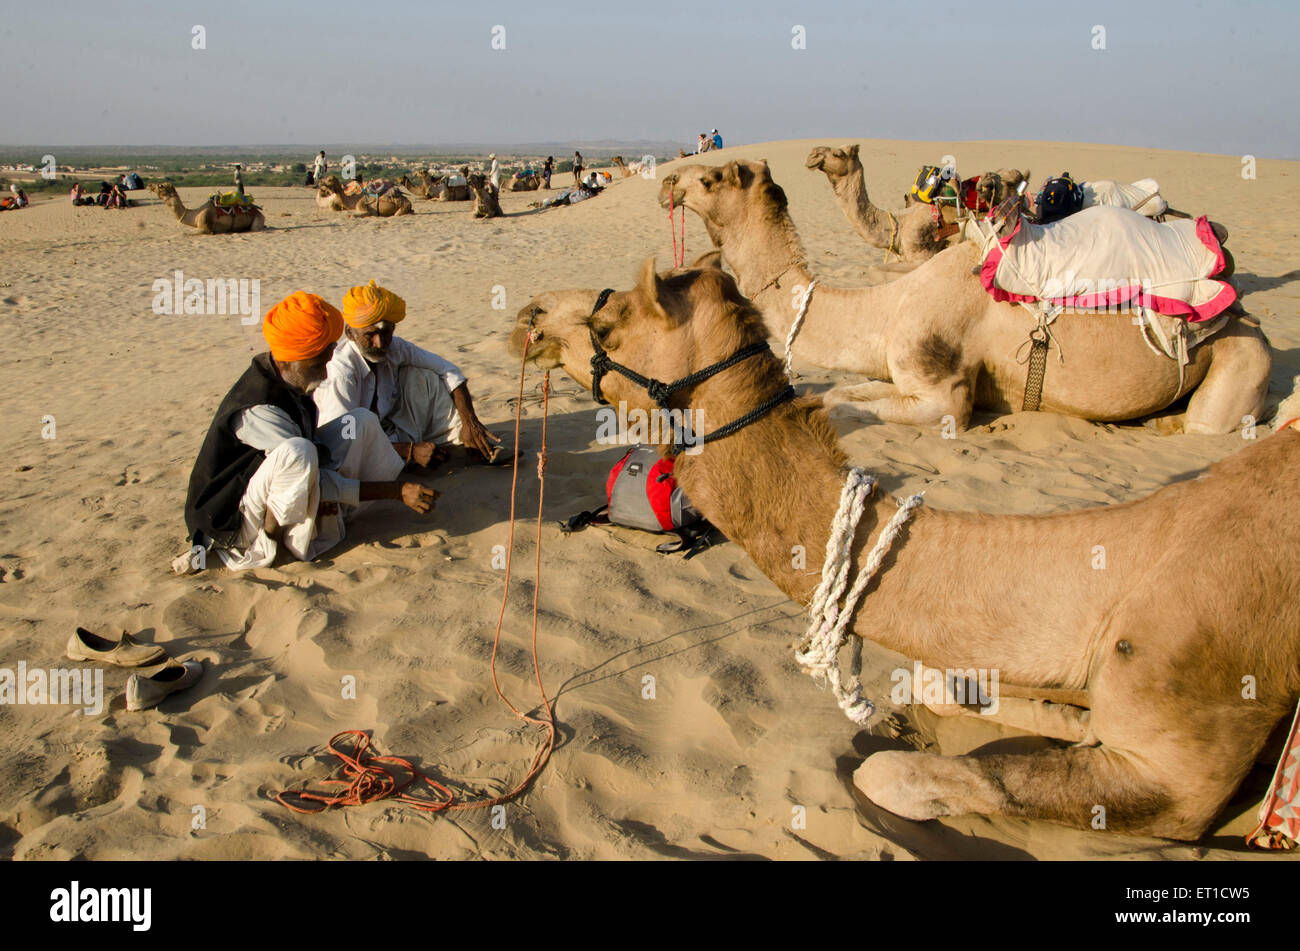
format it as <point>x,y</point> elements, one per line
<point>1204,77</point>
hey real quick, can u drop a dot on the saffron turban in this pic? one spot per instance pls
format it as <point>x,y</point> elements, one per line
<point>301,326</point>
<point>364,306</point>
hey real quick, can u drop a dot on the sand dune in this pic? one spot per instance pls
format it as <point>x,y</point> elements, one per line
<point>735,737</point>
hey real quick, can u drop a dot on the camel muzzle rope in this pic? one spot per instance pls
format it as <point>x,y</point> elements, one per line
<point>662,393</point>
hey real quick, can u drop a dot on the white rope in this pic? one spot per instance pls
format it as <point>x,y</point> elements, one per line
<point>828,621</point>
<point>798,322</point>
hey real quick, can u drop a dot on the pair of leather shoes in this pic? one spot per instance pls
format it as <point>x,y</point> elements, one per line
<point>159,675</point>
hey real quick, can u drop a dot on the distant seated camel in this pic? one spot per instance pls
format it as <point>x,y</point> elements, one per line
<point>330,196</point>
<point>211,218</point>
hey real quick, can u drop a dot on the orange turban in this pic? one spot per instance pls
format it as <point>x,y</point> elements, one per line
<point>301,326</point>
<point>363,306</point>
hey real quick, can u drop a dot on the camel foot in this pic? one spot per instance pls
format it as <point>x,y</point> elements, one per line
<point>913,785</point>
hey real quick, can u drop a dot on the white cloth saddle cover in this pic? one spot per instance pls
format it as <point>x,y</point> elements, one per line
<point>1144,193</point>
<point>1110,258</point>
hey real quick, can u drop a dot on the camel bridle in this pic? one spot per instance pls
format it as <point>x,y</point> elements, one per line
<point>661,393</point>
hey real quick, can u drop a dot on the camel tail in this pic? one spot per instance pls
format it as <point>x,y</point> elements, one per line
<point>1289,409</point>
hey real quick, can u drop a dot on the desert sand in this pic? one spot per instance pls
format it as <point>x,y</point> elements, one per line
<point>735,738</point>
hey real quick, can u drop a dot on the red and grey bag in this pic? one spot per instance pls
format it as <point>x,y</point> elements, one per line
<point>642,493</point>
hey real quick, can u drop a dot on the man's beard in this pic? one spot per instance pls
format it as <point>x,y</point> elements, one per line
<point>374,356</point>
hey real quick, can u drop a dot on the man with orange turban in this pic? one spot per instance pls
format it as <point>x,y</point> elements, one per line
<point>267,474</point>
<point>421,400</point>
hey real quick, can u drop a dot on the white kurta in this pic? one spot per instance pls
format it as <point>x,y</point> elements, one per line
<point>410,391</point>
<point>291,483</point>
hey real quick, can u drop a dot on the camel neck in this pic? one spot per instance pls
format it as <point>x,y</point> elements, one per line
<point>871,223</point>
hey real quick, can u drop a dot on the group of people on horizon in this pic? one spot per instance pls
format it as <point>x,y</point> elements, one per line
<point>709,142</point>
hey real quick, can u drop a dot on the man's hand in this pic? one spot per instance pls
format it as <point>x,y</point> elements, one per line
<point>429,455</point>
<point>327,508</point>
<point>473,434</point>
<point>418,497</point>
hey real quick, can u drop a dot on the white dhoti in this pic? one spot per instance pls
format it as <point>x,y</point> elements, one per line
<point>287,483</point>
<point>424,411</point>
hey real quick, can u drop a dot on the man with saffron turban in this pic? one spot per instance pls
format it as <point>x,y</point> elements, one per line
<point>267,474</point>
<point>422,400</point>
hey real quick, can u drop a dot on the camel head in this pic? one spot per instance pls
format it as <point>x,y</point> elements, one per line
<point>164,190</point>
<point>667,327</point>
<point>330,186</point>
<point>724,196</point>
<point>836,163</point>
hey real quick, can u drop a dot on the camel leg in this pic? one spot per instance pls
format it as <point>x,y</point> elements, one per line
<point>936,405</point>
<point>1058,721</point>
<point>1083,787</point>
<point>1236,385</point>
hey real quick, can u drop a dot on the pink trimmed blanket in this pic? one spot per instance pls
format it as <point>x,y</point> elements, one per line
<point>1111,258</point>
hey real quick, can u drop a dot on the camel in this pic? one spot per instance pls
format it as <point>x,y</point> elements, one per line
<point>435,187</point>
<point>936,345</point>
<point>525,183</point>
<point>208,218</point>
<point>485,203</point>
<point>426,188</point>
<point>330,196</point>
<point>913,233</point>
<point>1147,676</point>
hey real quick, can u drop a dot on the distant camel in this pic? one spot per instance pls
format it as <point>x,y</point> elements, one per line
<point>209,218</point>
<point>330,196</point>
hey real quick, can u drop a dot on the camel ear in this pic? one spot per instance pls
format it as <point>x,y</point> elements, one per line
<point>652,286</point>
<point>713,259</point>
<point>853,150</point>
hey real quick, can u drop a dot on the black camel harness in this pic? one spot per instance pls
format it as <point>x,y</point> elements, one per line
<point>662,393</point>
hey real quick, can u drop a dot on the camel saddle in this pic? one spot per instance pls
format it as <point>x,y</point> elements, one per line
<point>232,203</point>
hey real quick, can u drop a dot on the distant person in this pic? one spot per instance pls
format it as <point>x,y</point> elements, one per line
<point>78,195</point>
<point>318,169</point>
<point>702,145</point>
<point>717,139</point>
<point>546,172</point>
<point>239,180</point>
<point>494,176</point>
<point>577,168</point>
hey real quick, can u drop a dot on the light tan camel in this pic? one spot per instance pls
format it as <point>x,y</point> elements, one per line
<point>389,205</point>
<point>1199,589</point>
<point>617,162</point>
<point>208,218</point>
<point>945,345</point>
<point>913,233</point>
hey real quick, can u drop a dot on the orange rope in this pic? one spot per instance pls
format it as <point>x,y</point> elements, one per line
<point>371,782</point>
<point>679,257</point>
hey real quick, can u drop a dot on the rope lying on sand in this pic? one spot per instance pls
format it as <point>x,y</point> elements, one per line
<point>371,782</point>
<point>827,624</point>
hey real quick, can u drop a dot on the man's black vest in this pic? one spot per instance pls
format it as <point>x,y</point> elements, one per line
<point>225,465</point>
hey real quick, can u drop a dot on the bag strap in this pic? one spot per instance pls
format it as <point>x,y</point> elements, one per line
<point>580,521</point>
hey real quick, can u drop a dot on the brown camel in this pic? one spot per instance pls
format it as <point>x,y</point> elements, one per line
<point>485,203</point>
<point>208,218</point>
<point>1153,669</point>
<point>936,345</point>
<point>913,233</point>
<point>389,205</point>
<point>525,183</point>
<point>426,188</point>
<point>617,162</point>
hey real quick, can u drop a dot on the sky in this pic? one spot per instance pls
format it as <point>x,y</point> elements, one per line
<point>1205,76</point>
